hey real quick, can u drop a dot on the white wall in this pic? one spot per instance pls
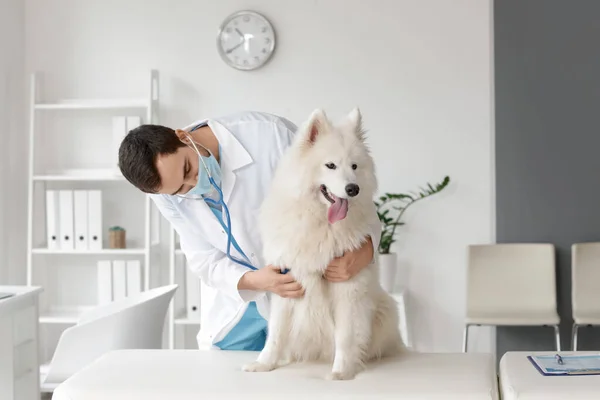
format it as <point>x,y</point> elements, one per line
<point>419,70</point>
<point>13,168</point>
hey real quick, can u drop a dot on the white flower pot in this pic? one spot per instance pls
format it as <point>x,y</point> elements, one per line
<point>388,268</point>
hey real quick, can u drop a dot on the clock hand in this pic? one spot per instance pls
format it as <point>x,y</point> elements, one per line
<point>234,47</point>
<point>240,33</point>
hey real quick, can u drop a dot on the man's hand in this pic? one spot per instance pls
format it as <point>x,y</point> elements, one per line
<point>270,279</point>
<point>343,268</point>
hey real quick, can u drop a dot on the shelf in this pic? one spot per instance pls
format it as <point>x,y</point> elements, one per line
<point>91,252</point>
<point>93,104</point>
<point>81,175</point>
<point>63,316</point>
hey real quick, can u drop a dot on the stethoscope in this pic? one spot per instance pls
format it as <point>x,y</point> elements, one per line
<point>220,202</point>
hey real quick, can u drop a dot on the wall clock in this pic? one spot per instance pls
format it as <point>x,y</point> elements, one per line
<point>246,40</point>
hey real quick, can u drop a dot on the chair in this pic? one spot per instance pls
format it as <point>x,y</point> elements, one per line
<point>511,285</point>
<point>135,322</point>
<point>585,286</point>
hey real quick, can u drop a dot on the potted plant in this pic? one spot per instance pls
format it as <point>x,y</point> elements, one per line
<point>390,209</point>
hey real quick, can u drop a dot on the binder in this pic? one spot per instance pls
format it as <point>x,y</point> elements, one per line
<point>134,277</point>
<point>81,219</point>
<point>104,289</point>
<point>52,216</point>
<point>94,219</point>
<point>119,127</point>
<point>192,290</point>
<point>65,201</point>
<point>119,279</point>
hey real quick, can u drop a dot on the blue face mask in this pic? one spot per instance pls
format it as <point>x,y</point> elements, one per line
<point>206,165</point>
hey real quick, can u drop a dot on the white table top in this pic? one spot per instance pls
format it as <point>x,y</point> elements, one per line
<point>194,374</point>
<point>519,379</point>
<point>21,293</point>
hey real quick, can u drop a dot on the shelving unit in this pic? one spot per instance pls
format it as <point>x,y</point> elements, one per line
<point>178,318</point>
<point>41,260</point>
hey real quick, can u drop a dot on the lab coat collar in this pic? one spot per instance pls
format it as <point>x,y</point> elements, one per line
<point>232,156</point>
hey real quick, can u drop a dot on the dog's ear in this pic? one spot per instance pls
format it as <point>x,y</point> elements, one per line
<point>353,122</point>
<point>317,123</point>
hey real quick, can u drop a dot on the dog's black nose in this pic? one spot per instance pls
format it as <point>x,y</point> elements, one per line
<point>352,189</point>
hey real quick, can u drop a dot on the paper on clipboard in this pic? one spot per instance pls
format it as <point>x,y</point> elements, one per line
<point>572,365</point>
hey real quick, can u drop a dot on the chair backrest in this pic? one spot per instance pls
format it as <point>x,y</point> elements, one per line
<point>511,279</point>
<point>135,322</point>
<point>585,278</point>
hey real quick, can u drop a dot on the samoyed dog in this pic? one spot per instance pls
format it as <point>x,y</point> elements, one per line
<point>319,206</point>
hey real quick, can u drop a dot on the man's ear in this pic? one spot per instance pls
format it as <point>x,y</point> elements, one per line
<point>183,136</point>
<point>316,125</point>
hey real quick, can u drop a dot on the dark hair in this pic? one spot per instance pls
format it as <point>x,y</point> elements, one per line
<point>138,153</point>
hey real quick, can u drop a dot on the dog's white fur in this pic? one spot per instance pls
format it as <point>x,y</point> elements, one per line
<point>347,323</point>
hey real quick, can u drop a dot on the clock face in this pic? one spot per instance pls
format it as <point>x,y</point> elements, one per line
<point>246,40</point>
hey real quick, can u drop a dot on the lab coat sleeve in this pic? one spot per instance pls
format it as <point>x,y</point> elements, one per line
<point>208,263</point>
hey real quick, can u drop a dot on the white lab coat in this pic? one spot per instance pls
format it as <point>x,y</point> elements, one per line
<point>251,146</point>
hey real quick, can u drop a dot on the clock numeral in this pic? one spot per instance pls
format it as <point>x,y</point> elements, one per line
<point>245,62</point>
<point>267,40</point>
<point>256,58</point>
<point>228,30</point>
<point>264,29</point>
<point>246,18</point>
<point>264,50</point>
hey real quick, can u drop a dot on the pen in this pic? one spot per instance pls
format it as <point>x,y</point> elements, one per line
<point>559,359</point>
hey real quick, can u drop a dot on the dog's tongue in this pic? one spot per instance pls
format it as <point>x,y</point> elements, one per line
<point>338,210</point>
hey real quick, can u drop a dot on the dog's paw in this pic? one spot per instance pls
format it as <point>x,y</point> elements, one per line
<point>258,367</point>
<point>340,376</point>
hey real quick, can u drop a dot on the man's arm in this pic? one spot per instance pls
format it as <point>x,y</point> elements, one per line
<point>216,270</point>
<point>352,262</point>
<point>205,261</point>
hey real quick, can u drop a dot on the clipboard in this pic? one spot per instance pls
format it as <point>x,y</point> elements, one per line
<point>573,365</point>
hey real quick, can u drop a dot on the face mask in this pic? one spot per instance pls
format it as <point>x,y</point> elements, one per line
<point>204,186</point>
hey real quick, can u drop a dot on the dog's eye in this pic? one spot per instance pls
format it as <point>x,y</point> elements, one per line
<point>354,166</point>
<point>330,165</point>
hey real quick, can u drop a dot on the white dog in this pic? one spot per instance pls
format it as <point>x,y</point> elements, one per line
<point>320,205</point>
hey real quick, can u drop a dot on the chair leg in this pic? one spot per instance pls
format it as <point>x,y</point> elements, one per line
<point>557,337</point>
<point>466,338</point>
<point>574,333</point>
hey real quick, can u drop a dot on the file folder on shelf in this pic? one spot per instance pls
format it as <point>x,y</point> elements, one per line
<point>81,219</point>
<point>119,279</point>
<point>192,288</point>
<point>52,218</point>
<point>134,277</point>
<point>105,294</point>
<point>94,220</point>
<point>65,200</point>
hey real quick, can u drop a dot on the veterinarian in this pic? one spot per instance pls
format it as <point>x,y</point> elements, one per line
<point>241,151</point>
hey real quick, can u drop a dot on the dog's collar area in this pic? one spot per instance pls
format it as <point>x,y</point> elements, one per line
<point>326,194</point>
